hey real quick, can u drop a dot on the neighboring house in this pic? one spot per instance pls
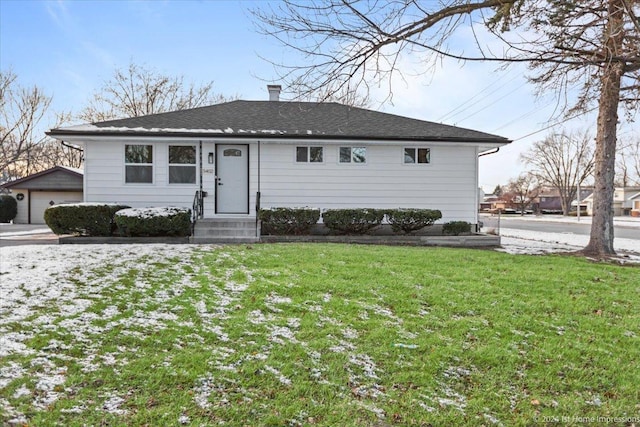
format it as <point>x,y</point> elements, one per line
<point>493,203</point>
<point>634,201</point>
<point>625,201</point>
<point>37,192</point>
<point>243,155</point>
<point>548,201</point>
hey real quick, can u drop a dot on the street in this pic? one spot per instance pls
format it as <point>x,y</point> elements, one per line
<point>555,224</point>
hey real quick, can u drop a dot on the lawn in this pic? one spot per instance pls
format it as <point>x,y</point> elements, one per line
<point>315,334</point>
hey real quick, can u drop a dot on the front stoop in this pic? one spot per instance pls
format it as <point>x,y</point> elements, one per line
<point>225,230</point>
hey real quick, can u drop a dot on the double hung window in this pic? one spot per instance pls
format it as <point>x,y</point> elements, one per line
<point>182,164</point>
<point>138,164</point>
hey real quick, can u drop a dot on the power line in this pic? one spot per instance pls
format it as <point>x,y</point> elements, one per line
<point>491,103</point>
<point>459,109</point>
<point>555,124</point>
<point>527,114</point>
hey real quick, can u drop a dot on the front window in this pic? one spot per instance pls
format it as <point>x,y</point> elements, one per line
<point>182,164</point>
<point>353,154</point>
<point>309,154</point>
<point>417,155</point>
<point>138,164</point>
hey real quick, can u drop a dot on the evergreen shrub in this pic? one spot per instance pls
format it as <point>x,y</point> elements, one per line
<point>152,222</point>
<point>84,219</point>
<point>408,220</point>
<point>352,221</point>
<point>456,228</point>
<point>284,221</point>
<point>8,208</point>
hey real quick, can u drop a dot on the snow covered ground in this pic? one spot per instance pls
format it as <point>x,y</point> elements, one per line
<point>35,276</point>
<point>518,241</point>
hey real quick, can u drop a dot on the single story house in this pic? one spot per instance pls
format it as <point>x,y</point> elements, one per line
<point>239,156</point>
<point>38,191</point>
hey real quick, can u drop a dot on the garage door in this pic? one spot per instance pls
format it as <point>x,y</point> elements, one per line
<point>41,200</point>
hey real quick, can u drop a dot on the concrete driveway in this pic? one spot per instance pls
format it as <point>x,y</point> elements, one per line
<point>26,234</point>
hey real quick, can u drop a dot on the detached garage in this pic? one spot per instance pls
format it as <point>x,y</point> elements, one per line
<point>37,192</point>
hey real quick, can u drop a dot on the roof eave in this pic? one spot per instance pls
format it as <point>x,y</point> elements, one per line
<point>17,182</point>
<point>249,134</point>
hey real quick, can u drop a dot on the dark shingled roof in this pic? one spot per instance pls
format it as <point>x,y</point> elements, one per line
<point>276,119</point>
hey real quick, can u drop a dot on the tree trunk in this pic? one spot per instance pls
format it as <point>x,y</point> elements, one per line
<point>565,204</point>
<point>601,240</point>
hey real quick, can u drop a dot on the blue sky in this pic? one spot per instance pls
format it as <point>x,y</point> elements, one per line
<point>69,48</point>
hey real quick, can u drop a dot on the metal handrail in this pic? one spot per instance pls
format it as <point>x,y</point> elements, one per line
<point>258,207</point>
<point>197,209</point>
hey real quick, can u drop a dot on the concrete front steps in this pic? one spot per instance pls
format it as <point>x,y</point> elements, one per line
<point>225,230</point>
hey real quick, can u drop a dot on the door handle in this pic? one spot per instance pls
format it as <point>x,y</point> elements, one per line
<point>219,183</point>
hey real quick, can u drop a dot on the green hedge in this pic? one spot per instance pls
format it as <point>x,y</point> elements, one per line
<point>148,222</point>
<point>283,221</point>
<point>85,219</point>
<point>408,220</point>
<point>352,221</point>
<point>456,228</point>
<point>8,208</point>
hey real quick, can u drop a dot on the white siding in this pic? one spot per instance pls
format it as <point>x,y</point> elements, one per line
<point>105,182</point>
<point>448,183</point>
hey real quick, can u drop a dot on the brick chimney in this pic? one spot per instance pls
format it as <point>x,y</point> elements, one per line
<point>274,92</point>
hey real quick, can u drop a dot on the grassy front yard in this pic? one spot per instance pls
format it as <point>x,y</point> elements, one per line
<point>320,335</point>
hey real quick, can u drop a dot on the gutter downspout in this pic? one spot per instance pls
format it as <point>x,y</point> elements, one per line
<point>201,194</point>
<point>258,196</point>
<point>486,153</point>
<point>73,147</point>
<point>84,175</point>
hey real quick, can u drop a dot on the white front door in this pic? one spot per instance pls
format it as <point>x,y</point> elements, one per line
<point>232,179</point>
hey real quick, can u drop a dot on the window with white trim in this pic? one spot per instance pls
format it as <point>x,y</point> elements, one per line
<point>417,155</point>
<point>309,154</point>
<point>182,164</point>
<point>138,164</point>
<point>356,155</point>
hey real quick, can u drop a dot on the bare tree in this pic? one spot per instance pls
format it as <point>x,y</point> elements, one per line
<point>562,161</point>
<point>522,191</point>
<point>592,46</point>
<point>628,163</point>
<point>21,111</point>
<point>345,95</point>
<point>139,91</point>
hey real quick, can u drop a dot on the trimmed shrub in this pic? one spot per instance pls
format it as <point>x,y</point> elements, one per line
<point>288,220</point>
<point>84,219</point>
<point>8,208</point>
<point>456,228</point>
<point>408,220</point>
<point>352,221</point>
<point>149,222</point>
